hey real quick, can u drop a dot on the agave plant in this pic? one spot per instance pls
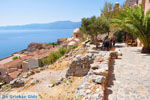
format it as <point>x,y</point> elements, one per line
<point>136,22</point>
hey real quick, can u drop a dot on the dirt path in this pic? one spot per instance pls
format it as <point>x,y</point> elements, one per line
<point>130,77</point>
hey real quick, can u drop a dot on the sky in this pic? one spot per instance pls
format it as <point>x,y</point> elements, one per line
<point>20,12</point>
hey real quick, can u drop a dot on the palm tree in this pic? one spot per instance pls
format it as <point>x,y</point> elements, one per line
<point>136,22</point>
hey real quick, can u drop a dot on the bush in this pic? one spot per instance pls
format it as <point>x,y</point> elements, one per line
<point>54,56</point>
<point>52,44</point>
<point>15,57</point>
<point>71,48</point>
<point>62,51</point>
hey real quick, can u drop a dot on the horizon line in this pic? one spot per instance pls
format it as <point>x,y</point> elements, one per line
<point>38,23</point>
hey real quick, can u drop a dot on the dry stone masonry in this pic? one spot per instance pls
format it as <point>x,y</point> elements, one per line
<point>80,65</point>
<point>94,66</point>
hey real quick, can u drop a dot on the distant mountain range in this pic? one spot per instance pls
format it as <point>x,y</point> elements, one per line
<point>53,25</point>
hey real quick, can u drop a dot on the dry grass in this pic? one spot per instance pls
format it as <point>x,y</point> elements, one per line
<point>62,92</point>
<point>59,66</point>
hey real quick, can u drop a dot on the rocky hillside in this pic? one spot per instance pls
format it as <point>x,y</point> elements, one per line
<point>82,74</point>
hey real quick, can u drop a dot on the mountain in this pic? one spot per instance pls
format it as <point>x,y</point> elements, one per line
<point>53,25</point>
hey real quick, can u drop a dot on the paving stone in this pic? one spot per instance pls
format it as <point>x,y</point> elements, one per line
<point>132,81</point>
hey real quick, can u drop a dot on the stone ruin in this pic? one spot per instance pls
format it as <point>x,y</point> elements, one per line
<point>80,65</point>
<point>95,67</point>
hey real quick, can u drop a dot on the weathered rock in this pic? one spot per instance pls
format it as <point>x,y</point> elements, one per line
<point>59,81</point>
<point>33,82</point>
<point>51,85</point>
<point>99,80</point>
<point>80,65</point>
<point>88,91</point>
<point>80,93</point>
<point>95,65</point>
<point>99,59</point>
<point>96,97</point>
<point>25,76</point>
<point>93,51</point>
<point>17,83</point>
<point>103,71</point>
<point>34,46</point>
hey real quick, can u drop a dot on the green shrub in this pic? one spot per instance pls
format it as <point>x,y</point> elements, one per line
<point>52,44</point>
<point>74,46</point>
<point>62,51</point>
<point>71,48</point>
<point>15,57</point>
<point>54,56</point>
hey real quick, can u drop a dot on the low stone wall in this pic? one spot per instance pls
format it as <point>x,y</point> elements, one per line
<point>95,66</point>
<point>95,82</point>
<point>93,85</point>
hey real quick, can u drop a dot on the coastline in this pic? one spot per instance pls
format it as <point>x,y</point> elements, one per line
<point>19,40</point>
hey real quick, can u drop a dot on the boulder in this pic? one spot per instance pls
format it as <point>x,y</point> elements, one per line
<point>80,65</point>
<point>17,83</point>
<point>103,72</point>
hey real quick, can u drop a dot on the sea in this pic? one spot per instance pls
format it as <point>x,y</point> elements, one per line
<point>12,41</point>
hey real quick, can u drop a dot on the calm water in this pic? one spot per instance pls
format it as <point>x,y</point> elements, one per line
<point>13,41</point>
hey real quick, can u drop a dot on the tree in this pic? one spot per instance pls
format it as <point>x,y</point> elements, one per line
<point>107,10</point>
<point>94,26</point>
<point>137,23</point>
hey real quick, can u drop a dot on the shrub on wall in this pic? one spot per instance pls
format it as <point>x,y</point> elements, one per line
<point>15,57</point>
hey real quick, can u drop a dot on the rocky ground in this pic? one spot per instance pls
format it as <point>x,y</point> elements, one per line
<point>89,74</point>
<point>49,82</point>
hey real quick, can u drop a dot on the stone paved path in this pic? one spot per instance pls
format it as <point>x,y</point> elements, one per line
<point>131,80</point>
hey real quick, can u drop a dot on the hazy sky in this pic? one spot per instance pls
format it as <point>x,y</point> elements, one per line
<point>18,12</point>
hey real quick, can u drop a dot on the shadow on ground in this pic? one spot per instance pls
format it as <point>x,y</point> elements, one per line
<point>138,51</point>
<point>111,78</point>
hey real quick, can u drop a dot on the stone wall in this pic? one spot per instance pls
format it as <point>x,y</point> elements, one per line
<point>80,65</point>
<point>33,63</point>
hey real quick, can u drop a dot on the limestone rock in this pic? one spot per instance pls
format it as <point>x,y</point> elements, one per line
<point>95,65</point>
<point>103,71</point>
<point>99,59</point>
<point>96,97</point>
<point>51,85</point>
<point>17,83</point>
<point>99,80</point>
<point>33,82</point>
<point>80,65</point>
<point>59,81</point>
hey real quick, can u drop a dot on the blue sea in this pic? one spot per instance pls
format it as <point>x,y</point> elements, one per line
<point>15,40</point>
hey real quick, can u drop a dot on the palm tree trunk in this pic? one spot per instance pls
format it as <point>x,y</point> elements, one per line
<point>146,50</point>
